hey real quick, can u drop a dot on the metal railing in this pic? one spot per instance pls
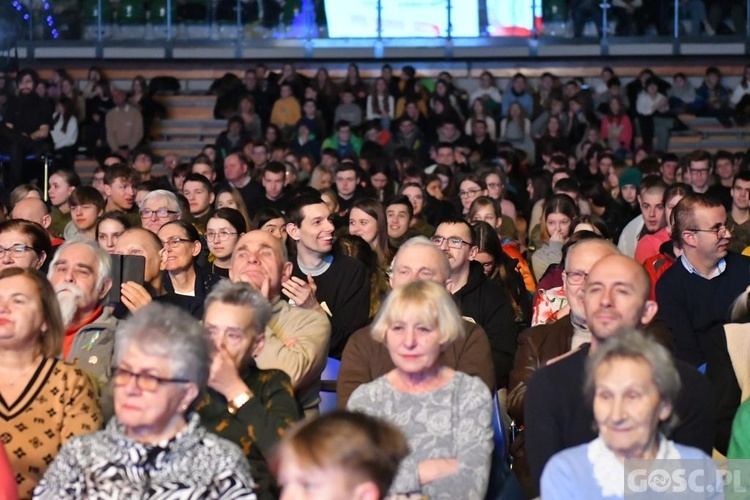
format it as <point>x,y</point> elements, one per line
<point>171,22</point>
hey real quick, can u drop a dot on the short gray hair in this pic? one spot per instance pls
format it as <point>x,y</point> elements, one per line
<point>245,296</point>
<point>172,201</point>
<point>169,332</point>
<point>104,261</point>
<point>421,241</point>
<point>635,345</point>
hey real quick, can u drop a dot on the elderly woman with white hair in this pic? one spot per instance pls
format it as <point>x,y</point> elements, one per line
<point>157,208</point>
<point>445,414</point>
<point>244,404</point>
<point>155,445</point>
<point>632,383</point>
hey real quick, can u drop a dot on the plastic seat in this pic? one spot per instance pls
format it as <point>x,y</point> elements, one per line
<point>328,380</point>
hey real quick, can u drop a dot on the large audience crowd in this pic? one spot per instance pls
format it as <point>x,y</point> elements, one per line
<point>538,252</point>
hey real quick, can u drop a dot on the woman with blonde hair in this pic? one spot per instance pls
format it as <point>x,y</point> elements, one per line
<point>228,197</point>
<point>321,178</point>
<point>416,323</point>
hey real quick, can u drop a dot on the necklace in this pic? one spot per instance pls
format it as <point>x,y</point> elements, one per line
<point>21,374</point>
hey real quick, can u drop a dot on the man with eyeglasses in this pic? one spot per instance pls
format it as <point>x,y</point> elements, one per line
<point>478,298</point>
<point>699,170</point>
<point>695,294</point>
<point>157,208</point>
<point>539,345</point>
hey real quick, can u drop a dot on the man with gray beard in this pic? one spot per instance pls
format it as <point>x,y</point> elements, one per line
<point>81,275</point>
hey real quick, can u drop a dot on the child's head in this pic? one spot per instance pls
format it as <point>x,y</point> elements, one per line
<point>347,455</point>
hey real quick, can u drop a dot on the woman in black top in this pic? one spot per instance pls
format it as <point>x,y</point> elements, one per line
<point>223,231</point>
<point>186,283</point>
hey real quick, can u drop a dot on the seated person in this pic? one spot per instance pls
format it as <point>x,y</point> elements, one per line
<point>185,282</point>
<point>417,322</point>
<point>633,383</point>
<point>244,404</point>
<point>86,206</point>
<point>161,361</point>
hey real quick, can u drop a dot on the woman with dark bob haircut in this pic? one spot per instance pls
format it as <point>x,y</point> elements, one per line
<point>187,284</point>
<point>25,244</point>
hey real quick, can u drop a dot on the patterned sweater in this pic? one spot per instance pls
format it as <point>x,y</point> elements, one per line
<point>453,421</point>
<point>109,464</point>
<point>58,403</point>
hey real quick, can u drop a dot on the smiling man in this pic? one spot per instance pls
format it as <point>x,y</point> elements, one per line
<point>695,294</point>
<point>337,285</point>
<point>557,415</point>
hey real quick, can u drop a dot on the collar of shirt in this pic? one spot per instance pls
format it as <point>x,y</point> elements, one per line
<point>720,268</point>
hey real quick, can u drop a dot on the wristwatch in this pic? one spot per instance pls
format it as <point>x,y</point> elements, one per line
<point>238,401</point>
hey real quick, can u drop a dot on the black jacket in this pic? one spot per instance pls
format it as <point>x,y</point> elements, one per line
<point>204,282</point>
<point>489,305</point>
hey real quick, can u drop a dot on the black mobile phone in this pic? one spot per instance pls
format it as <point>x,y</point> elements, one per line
<point>125,268</point>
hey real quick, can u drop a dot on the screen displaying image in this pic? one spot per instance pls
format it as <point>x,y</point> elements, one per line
<point>513,17</point>
<point>401,18</point>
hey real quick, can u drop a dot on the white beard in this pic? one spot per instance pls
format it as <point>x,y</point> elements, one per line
<point>67,297</point>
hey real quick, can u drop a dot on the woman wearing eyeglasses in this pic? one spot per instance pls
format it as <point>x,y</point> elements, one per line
<point>223,231</point>
<point>23,244</point>
<point>155,446</point>
<point>186,284</point>
<point>244,404</point>
<point>471,188</point>
<point>44,401</point>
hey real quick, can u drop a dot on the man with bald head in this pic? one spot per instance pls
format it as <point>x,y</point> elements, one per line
<point>296,338</point>
<point>34,210</point>
<point>615,298</point>
<point>540,344</point>
<point>364,360</point>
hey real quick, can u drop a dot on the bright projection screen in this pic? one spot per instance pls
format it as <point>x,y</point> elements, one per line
<point>429,18</point>
<point>400,18</point>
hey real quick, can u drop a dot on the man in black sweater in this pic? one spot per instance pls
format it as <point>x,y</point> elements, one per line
<point>695,294</point>
<point>338,285</point>
<point>482,300</point>
<point>557,416</point>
